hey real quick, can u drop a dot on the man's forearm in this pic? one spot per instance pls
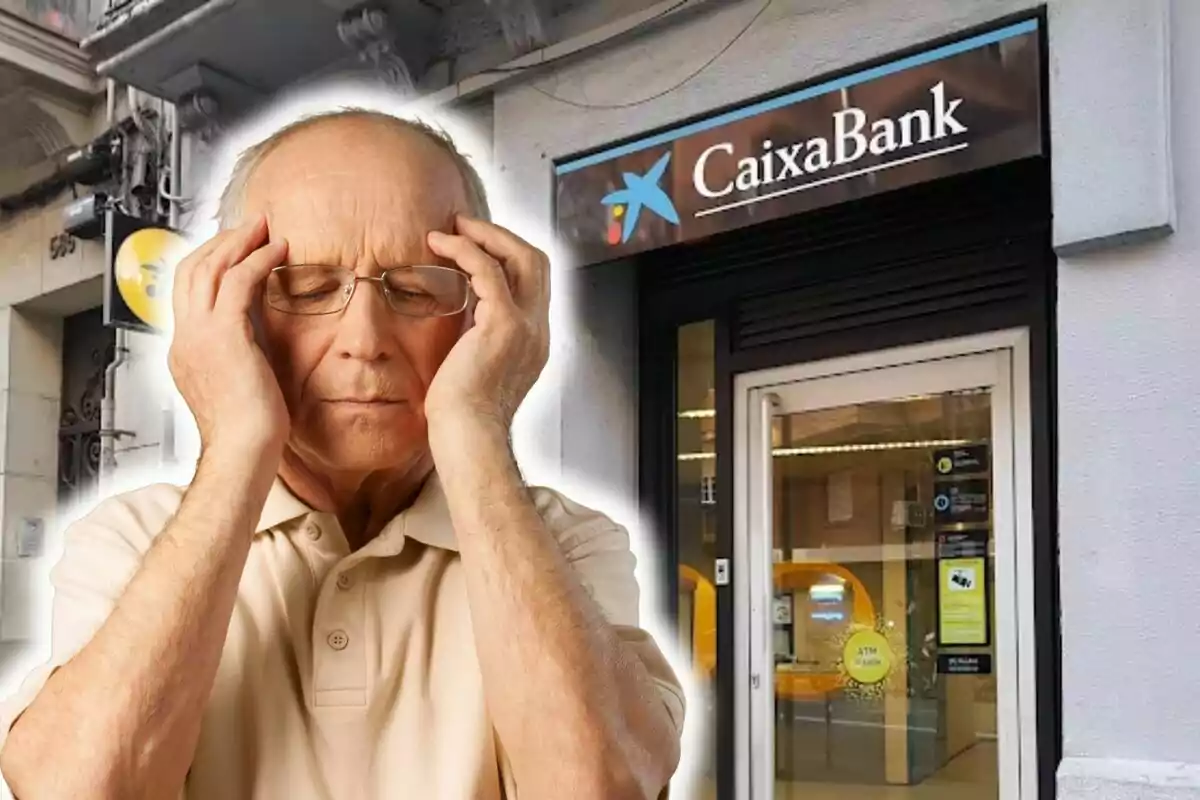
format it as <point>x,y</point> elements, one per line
<point>122,718</point>
<point>577,713</point>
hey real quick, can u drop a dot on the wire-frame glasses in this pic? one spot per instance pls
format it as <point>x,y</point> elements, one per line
<point>414,291</point>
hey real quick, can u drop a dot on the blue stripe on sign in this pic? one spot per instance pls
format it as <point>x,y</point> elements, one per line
<point>802,94</point>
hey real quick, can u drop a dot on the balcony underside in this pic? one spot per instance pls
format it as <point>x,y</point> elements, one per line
<point>243,51</point>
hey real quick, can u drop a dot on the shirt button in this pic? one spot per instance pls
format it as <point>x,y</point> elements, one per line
<point>344,581</point>
<point>313,531</point>
<point>338,640</point>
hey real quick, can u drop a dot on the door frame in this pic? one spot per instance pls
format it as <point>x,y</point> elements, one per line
<point>1014,342</point>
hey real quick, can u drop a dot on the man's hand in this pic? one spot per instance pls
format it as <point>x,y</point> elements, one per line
<point>494,365</point>
<point>220,370</point>
<point>575,710</point>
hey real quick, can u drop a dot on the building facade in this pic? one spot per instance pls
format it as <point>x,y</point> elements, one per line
<point>1107,210</point>
<point>54,347</point>
<point>899,416</point>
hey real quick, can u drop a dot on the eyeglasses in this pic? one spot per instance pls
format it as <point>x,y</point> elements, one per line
<point>418,291</point>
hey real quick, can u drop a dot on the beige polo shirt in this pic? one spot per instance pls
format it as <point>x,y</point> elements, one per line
<point>344,675</point>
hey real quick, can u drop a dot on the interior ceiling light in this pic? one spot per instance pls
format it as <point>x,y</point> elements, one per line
<point>705,413</point>
<point>833,449</point>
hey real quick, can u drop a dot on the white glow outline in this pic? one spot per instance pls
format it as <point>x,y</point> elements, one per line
<point>541,409</point>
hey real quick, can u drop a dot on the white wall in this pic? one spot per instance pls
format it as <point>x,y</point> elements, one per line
<point>27,272</point>
<point>1129,379</point>
<point>1128,367</point>
<point>36,291</point>
<point>31,374</point>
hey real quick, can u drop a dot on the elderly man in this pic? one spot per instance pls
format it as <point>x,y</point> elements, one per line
<point>356,596</point>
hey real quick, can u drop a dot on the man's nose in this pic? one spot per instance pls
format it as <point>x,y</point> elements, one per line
<point>364,324</point>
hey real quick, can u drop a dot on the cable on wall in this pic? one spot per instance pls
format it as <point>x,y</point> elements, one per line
<point>695,73</point>
<point>549,62</point>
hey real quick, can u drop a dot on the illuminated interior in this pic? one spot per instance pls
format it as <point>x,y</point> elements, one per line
<point>855,541</point>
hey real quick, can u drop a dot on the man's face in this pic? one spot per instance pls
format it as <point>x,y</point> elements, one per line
<point>361,195</point>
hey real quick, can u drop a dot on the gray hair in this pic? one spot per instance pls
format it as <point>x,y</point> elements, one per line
<point>230,207</point>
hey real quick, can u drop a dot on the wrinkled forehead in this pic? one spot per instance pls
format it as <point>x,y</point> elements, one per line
<point>353,192</point>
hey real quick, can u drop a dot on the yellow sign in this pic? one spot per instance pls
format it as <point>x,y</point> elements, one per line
<point>945,465</point>
<point>962,601</point>
<point>867,657</point>
<point>141,267</point>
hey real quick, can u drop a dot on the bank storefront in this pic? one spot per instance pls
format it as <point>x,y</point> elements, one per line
<point>845,410</point>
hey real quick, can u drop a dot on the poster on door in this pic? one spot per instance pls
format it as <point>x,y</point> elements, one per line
<point>967,664</point>
<point>962,602</point>
<point>783,610</point>
<point>956,461</point>
<point>956,502</point>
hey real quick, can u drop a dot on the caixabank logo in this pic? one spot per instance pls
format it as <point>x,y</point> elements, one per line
<point>625,205</point>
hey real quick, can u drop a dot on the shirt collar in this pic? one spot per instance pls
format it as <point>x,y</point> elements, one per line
<point>281,506</point>
<point>427,520</point>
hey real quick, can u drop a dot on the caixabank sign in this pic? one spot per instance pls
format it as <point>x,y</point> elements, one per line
<point>967,105</point>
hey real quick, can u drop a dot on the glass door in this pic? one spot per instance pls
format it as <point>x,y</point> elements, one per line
<point>880,608</point>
